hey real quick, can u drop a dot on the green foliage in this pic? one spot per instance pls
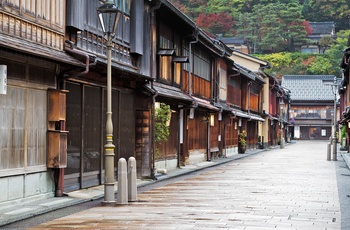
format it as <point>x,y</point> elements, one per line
<point>285,63</point>
<point>277,26</point>
<point>268,25</point>
<point>343,132</point>
<point>328,10</point>
<point>273,27</point>
<point>343,135</point>
<point>297,63</point>
<point>162,117</point>
<point>242,138</point>
<point>320,65</point>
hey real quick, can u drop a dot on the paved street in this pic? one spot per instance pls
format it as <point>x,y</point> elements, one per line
<point>293,188</point>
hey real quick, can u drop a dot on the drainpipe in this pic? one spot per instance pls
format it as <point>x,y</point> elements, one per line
<point>59,173</point>
<point>73,51</point>
<point>153,47</point>
<point>191,62</point>
<point>249,84</point>
<point>153,169</point>
<point>152,73</point>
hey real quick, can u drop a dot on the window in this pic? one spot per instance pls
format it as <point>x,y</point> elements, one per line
<point>170,59</point>
<point>124,6</point>
<point>23,148</point>
<point>309,50</point>
<point>165,67</point>
<point>201,63</point>
<point>177,73</point>
<point>223,84</point>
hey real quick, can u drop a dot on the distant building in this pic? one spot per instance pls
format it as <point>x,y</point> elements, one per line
<point>312,106</point>
<point>320,30</point>
<point>235,43</point>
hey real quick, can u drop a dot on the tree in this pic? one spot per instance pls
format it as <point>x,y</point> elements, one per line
<point>248,29</point>
<point>220,23</point>
<point>274,27</point>
<point>325,42</point>
<point>335,52</point>
<point>328,10</point>
<point>297,63</point>
<point>180,6</point>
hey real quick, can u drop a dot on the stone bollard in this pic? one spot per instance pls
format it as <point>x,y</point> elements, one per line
<point>122,194</point>
<point>132,180</point>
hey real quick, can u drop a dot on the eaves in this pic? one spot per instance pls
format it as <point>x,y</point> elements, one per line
<point>171,92</point>
<point>249,57</point>
<point>31,48</point>
<point>215,46</point>
<point>126,70</point>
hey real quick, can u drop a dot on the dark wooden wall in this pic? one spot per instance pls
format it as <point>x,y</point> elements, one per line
<point>198,131</point>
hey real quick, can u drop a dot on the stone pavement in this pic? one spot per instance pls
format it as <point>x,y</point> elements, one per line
<point>293,188</point>
<point>17,211</point>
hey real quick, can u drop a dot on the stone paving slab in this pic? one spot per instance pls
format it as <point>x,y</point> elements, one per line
<point>294,188</point>
<point>19,210</point>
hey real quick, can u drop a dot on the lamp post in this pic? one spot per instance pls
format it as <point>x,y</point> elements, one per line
<point>281,131</point>
<point>333,138</point>
<point>108,15</point>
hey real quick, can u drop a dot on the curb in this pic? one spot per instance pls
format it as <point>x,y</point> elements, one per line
<point>346,157</point>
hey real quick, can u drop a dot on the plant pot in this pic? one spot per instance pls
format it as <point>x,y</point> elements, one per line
<point>241,149</point>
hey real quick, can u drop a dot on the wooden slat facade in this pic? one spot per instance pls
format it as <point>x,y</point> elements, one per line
<point>40,22</point>
<point>201,87</point>
<point>198,131</point>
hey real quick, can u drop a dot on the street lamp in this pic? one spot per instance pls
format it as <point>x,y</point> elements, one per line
<point>108,15</point>
<point>281,131</point>
<point>333,138</point>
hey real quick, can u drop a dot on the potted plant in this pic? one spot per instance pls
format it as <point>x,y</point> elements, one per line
<point>242,141</point>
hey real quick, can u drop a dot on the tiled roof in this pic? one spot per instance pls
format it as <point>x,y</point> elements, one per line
<point>322,27</point>
<point>309,87</point>
<point>232,40</point>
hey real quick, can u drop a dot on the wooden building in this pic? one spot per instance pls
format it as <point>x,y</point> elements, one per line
<point>259,117</point>
<point>187,61</point>
<point>320,39</point>
<point>86,100</point>
<point>32,130</point>
<point>312,106</point>
<point>53,109</point>
<point>344,92</point>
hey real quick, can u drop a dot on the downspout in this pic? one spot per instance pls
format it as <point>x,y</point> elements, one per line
<point>153,47</point>
<point>249,84</point>
<point>153,170</point>
<point>59,173</point>
<point>81,54</point>
<point>191,62</point>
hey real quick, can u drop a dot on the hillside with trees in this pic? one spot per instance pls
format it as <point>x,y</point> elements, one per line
<point>272,28</point>
<point>232,14</point>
